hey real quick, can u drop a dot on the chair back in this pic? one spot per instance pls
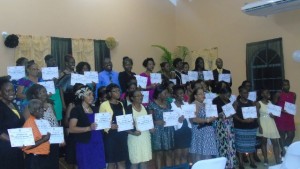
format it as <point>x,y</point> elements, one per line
<point>215,163</point>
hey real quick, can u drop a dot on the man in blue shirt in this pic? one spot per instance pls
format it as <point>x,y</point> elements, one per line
<point>107,76</point>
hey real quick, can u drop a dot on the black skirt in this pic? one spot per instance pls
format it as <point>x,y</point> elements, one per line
<point>183,136</point>
<point>115,144</point>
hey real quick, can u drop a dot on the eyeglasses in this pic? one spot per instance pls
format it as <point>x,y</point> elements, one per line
<point>116,91</point>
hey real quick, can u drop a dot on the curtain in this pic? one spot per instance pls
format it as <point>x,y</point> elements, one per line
<point>209,56</point>
<point>101,52</point>
<point>60,47</point>
<point>33,48</point>
<point>83,51</point>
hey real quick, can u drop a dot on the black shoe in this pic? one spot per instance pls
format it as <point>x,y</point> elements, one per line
<point>253,166</point>
<point>241,167</point>
<point>245,158</point>
<point>256,158</point>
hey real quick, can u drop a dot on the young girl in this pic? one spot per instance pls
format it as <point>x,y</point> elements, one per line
<point>285,123</point>
<point>267,127</point>
<point>183,133</point>
<point>245,129</point>
<point>203,145</point>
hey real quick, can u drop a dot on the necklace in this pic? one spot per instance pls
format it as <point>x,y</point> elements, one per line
<point>87,109</point>
<point>136,108</point>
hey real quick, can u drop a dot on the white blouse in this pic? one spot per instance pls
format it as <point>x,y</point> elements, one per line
<point>180,113</point>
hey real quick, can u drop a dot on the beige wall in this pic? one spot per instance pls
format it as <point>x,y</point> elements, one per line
<point>206,24</point>
<point>136,24</point>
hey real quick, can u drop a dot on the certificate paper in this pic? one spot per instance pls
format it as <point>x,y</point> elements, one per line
<point>48,73</point>
<point>189,110</point>
<point>141,81</point>
<point>43,126</point>
<point>249,112</point>
<point>184,78</point>
<point>144,123</point>
<point>16,72</point>
<point>103,120</point>
<point>273,109</point>
<point>155,78</point>
<point>290,108</point>
<point>171,118</point>
<point>193,75</point>
<point>228,109</point>
<point>252,96</point>
<point>124,122</point>
<point>77,78</point>
<point>49,85</point>
<point>20,137</point>
<point>208,75</point>
<point>145,96</point>
<point>211,110</point>
<point>91,76</point>
<point>210,96</point>
<point>57,135</point>
<point>225,77</point>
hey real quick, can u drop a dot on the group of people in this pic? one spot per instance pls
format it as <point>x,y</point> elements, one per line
<point>192,139</point>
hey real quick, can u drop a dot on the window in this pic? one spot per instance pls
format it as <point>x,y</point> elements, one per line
<point>265,68</point>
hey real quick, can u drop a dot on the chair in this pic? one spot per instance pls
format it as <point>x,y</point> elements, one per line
<point>215,163</point>
<point>291,158</point>
<point>181,166</point>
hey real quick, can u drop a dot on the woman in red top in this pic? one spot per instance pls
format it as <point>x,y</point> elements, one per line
<point>285,123</point>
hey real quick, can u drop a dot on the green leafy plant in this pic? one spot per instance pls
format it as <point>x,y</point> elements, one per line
<point>166,56</point>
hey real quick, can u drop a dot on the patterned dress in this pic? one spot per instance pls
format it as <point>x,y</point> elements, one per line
<point>163,137</point>
<point>225,136</point>
<point>204,141</point>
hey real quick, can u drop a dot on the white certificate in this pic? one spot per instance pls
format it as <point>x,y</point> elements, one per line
<point>16,72</point>
<point>249,112</point>
<point>274,109</point>
<point>193,75</point>
<point>290,108</point>
<point>174,81</point>
<point>49,85</point>
<point>228,109</point>
<point>141,81</point>
<point>207,101</point>
<point>125,122</point>
<point>170,118</point>
<point>155,78</point>
<point>184,78</point>
<point>43,126</point>
<point>20,137</point>
<point>208,75</point>
<point>225,77</point>
<point>103,120</point>
<point>189,110</point>
<point>232,98</point>
<point>211,110</point>
<point>91,76</point>
<point>48,73</point>
<point>145,96</point>
<point>57,135</point>
<point>77,78</point>
<point>144,123</point>
<point>252,96</point>
<point>210,96</point>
